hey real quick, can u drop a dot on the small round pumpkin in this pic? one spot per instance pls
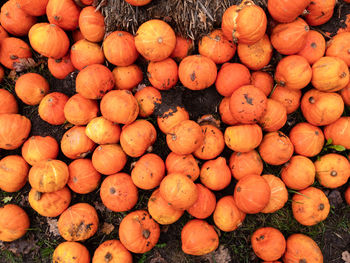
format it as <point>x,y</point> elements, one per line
<point>286,11</point>
<point>225,113</point>
<point>14,130</point>
<point>339,132</point>
<point>263,81</point>
<point>60,68</point>
<point>8,103</point>
<point>49,204</point>
<point>127,77</point>
<point>109,158</point>
<point>63,13</point>
<point>275,116</point>
<point>138,232</point>
<point>33,7</point>
<point>198,238</point>
<point>73,252</point>
<point>183,48</point>
<point>51,108</point>
<point>118,192</point>
<point>155,40</point>
<point>12,51</point>
<point>13,173</point>
<point>290,98</point>
<point>91,24</point>
<point>148,98</point>
<point>215,174</point>
<point>138,2</point>
<point>79,222</point>
<point>112,251</point>
<point>103,131</point>
<point>84,53</point>
<point>338,46</point>
<point>185,164</point>
<point>13,229</point>
<point>242,164</point>
<point>310,206</point>
<point>170,118</point>
<point>162,74</point>
<point>314,47</point>
<point>279,194</point>
<point>319,12</point>
<point>205,204</point>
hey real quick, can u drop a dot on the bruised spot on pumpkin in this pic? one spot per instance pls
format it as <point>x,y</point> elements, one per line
<point>248,99</point>
<point>312,100</point>
<point>343,75</point>
<point>321,207</point>
<point>193,76</point>
<point>262,237</point>
<point>238,189</point>
<point>146,233</point>
<point>316,132</point>
<point>334,173</point>
<point>313,45</point>
<point>108,257</point>
<point>303,260</point>
<point>112,190</point>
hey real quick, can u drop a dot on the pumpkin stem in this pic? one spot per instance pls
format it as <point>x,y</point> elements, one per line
<point>146,233</point>
<point>321,207</point>
<point>108,257</point>
<point>13,57</point>
<point>112,190</point>
<point>312,100</point>
<point>37,196</point>
<point>57,18</point>
<point>334,173</point>
<point>160,40</point>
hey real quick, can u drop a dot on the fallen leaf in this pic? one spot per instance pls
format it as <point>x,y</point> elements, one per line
<point>7,199</point>
<point>346,256</point>
<point>157,258</point>
<point>24,64</point>
<point>107,228</point>
<point>53,229</point>
<point>221,255</point>
<point>99,207</point>
<point>22,246</point>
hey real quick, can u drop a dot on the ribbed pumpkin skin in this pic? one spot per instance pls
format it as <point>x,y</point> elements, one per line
<point>72,252</point>
<point>63,13</point>
<point>205,204</point>
<point>279,193</point>
<point>51,108</point>
<point>31,88</point>
<point>60,68</point>
<point>242,164</point>
<point>339,132</point>
<point>338,46</point>
<point>319,12</point>
<point>113,251</point>
<point>285,11</point>
<point>314,47</point>
<point>84,53</point>
<point>103,131</point>
<point>91,24</point>
<point>33,7</point>
<point>12,50</point>
<point>13,173</point>
<point>186,164</point>
<point>8,103</point>
<point>14,130</point>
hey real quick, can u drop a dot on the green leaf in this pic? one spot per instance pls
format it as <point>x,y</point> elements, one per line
<point>7,199</point>
<point>339,148</point>
<point>329,141</point>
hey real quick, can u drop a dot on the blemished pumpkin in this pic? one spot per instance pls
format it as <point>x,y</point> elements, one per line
<point>75,144</point>
<point>279,194</point>
<point>197,72</point>
<point>49,204</point>
<point>148,98</point>
<point>127,77</point>
<point>13,229</point>
<point>125,54</point>
<point>109,158</point>
<point>252,194</point>
<point>301,248</point>
<point>83,177</point>
<point>51,108</point>
<point>13,173</point>
<point>275,116</point>
<point>227,217</point>
<point>319,12</point>
<point>286,11</point>
<point>171,118</point>
<point>299,173</point>
<point>33,7</point>
<point>148,171</point>
<point>79,222</point>
<point>216,47</point>
<point>198,238</point>
<point>314,47</point>
<point>225,113</point>
<point>91,24</point>
<point>268,243</point>
<point>310,206</point>
<point>39,148</point>
<point>118,192</point>
<point>14,130</point>
<point>8,103</point>
<point>49,40</point>
<point>60,68</point>
<point>263,81</point>
<point>155,40</point>
<point>161,211</point>
<point>332,170</point>
<point>215,174</point>
<point>103,131</point>
<point>183,48</point>
<point>12,50</point>
<point>338,46</point>
<point>339,132</point>
<point>290,98</point>
<point>112,251</point>
<point>163,75</point>
<point>185,164</point>
<point>84,53</point>
<point>205,204</point>
<point>70,251</point>
<point>48,175</point>
<point>63,13</point>
<point>242,164</point>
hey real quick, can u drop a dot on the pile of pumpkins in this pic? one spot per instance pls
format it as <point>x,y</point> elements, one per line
<point>109,118</point>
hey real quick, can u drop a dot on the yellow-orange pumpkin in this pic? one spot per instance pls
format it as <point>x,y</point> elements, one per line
<point>13,173</point>
<point>112,251</point>
<point>14,130</point>
<point>127,77</point>
<point>103,131</point>
<point>91,24</point>
<point>163,74</point>
<point>109,158</point>
<point>285,11</point>
<point>84,53</point>
<point>73,252</point>
<point>215,174</point>
<point>60,68</point>
<point>185,164</point>
<point>279,194</point>
<point>8,103</point>
<point>51,108</point>
<point>148,98</point>
<point>205,204</point>
<point>12,51</point>
<point>242,164</point>
<point>63,13</point>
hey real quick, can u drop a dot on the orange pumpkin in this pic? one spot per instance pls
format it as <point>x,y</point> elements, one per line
<point>299,173</point>
<point>185,164</point>
<point>8,103</point>
<point>198,238</point>
<point>279,194</point>
<point>14,222</point>
<point>33,7</point>
<point>75,144</point>
<point>63,13</point>
<point>330,74</point>
<point>170,118</point>
<point>14,130</point>
<point>248,104</point>
<point>347,195</point>
<point>162,74</point>
<point>155,40</point>
<point>13,173</point>
<point>231,76</point>
<point>339,132</point>
<point>310,206</point>
<point>215,174</point>
<point>49,40</point>
<point>51,108</point>
<point>109,158</point>
<point>275,116</point>
<point>31,88</point>
<point>183,47</point>
<point>338,46</point>
<point>332,170</point>
<point>3,34</point>
<point>14,19</point>
<point>197,72</point>
<point>179,191</point>
<point>319,12</point>
<point>293,72</point>
<point>286,11</point>
<point>268,243</point>
<point>49,204</point>
<point>103,131</point>
<point>138,2</point>
<point>290,98</point>
<point>60,68</point>
<point>77,35</point>
<point>83,177</point>
<point>119,106</point>
<point>321,108</point>
<point>307,139</point>
<point>84,53</point>
<point>244,23</point>
<point>252,194</point>
<point>161,211</point>
<point>12,51</point>
<point>302,248</point>
<point>91,24</point>
<point>216,47</point>
<point>73,252</point>
<point>242,164</point>
<point>137,137</point>
<point>243,137</point>
<point>148,98</point>
<point>225,113</point>
<point>125,54</point>
<point>118,193</point>
<point>138,232</point>
<point>79,222</point>
<point>39,148</point>
<point>112,251</point>
<point>314,47</point>
<point>227,217</point>
<point>213,143</point>
<point>94,81</point>
<point>48,175</point>
<point>290,38</point>
<point>257,55</point>
<point>79,110</point>
<point>148,171</point>
<point>205,204</point>
<point>345,93</point>
<point>127,77</point>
